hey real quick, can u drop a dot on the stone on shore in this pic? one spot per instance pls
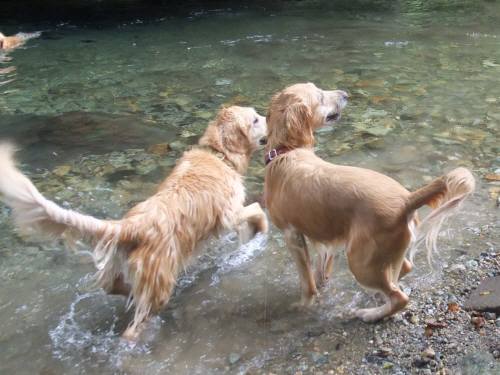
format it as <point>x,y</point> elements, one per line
<point>486,297</point>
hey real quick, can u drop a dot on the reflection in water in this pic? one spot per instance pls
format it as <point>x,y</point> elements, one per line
<point>87,102</point>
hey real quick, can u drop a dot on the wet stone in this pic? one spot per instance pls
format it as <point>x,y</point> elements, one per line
<point>160,149</point>
<point>62,170</point>
<point>234,358</point>
<point>486,297</point>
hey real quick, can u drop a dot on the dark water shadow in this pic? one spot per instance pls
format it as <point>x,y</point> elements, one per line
<point>51,140</point>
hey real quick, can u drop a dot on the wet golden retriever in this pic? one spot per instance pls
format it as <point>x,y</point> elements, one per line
<point>10,42</point>
<point>371,214</point>
<point>141,255</point>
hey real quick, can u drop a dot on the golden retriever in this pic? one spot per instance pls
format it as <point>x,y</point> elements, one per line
<point>141,255</point>
<point>10,42</point>
<point>330,205</point>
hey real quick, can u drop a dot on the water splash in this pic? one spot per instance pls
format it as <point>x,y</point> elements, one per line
<point>70,338</point>
<point>240,256</point>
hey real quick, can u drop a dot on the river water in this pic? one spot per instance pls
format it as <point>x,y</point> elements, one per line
<point>87,99</point>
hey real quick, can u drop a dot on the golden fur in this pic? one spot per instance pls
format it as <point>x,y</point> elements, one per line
<point>10,42</point>
<point>330,205</point>
<point>142,254</point>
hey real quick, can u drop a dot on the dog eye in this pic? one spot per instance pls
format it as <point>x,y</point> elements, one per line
<point>255,121</point>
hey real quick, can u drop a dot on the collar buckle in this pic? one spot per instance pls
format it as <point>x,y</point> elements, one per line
<point>272,154</point>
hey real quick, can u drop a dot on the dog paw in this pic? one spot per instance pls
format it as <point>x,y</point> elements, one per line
<point>245,233</point>
<point>369,315</point>
<point>131,334</point>
<point>306,302</point>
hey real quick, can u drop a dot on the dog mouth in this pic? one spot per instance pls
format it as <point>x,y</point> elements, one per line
<point>332,117</point>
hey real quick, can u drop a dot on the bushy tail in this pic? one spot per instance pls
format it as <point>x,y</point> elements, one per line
<point>445,195</point>
<point>35,215</point>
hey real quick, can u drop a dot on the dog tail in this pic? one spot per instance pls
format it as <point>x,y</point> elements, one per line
<point>445,195</point>
<point>32,212</point>
<point>36,216</point>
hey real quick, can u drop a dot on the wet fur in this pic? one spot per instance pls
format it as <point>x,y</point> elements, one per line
<point>10,42</point>
<point>371,214</point>
<point>141,255</point>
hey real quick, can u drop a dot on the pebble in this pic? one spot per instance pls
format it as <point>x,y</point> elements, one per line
<point>421,362</point>
<point>387,365</point>
<point>383,352</point>
<point>457,268</point>
<point>233,358</point>
<point>319,358</point>
<point>472,264</point>
<point>490,316</point>
<point>477,321</point>
<point>429,353</point>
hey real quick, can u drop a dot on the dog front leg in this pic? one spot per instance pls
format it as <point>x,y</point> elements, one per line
<point>324,263</point>
<point>251,220</point>
<point>297,246</point>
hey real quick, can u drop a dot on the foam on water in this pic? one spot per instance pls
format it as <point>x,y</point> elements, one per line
<point>71,334</point>
<point>237,258</point>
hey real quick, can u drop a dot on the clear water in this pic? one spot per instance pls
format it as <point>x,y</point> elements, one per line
<point>425,89</point>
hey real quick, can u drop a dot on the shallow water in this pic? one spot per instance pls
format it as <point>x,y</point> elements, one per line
<point>425,97</point>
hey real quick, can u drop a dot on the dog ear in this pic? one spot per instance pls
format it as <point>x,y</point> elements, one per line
<point>233,132</point>
<point>298,122</point>
<point>227,132</point>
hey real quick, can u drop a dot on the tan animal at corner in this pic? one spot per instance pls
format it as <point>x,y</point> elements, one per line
<point>141,255</point>
<point>10,42</point>
<point>371,214</point>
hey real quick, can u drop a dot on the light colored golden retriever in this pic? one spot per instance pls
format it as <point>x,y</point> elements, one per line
<point>330,205</point>
<point>10,42</point>
<point>141,255</point>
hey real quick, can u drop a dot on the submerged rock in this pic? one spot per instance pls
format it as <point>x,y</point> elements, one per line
<point>48,140</point>
<point>234,358</point>
<point>62,170</point>
<point>160,149</point>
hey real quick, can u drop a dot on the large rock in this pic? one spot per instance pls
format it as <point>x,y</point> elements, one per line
<point>486,297</point>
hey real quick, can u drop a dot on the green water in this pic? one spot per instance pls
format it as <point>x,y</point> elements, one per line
<point>92,97</point>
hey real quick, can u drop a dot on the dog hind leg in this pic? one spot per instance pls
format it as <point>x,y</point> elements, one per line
<point>380,271</point>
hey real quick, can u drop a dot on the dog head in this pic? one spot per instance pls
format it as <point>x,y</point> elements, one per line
<point>298,110</point>
<point>236,132</point>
